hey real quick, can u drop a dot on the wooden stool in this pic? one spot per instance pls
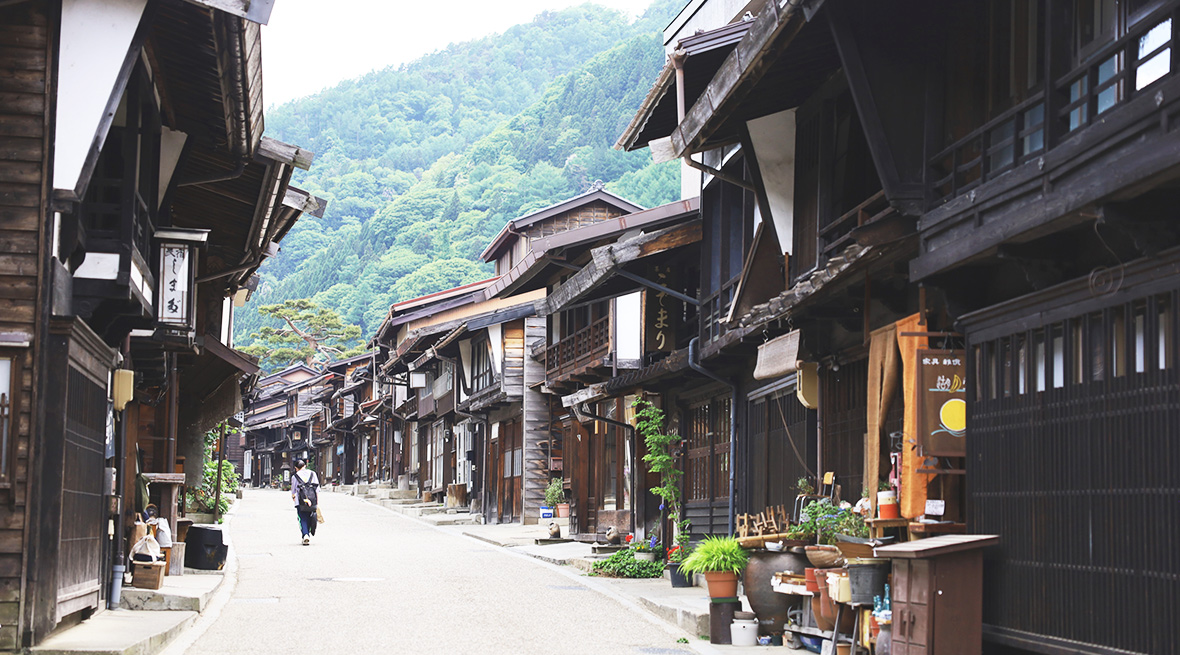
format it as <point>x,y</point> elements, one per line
<point>877,527</point>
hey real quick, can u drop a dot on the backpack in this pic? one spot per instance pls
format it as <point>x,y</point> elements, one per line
<point>307,491</point>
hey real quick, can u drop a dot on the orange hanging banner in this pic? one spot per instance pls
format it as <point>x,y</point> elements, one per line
<point>913,484</point>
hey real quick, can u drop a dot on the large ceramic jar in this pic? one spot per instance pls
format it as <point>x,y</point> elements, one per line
<point>770,606</point>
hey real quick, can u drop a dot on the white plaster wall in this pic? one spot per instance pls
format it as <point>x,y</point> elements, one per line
<point>95,38</point>
<point>629,324</point>
<point>171,145</point>
<point>774,146</point>
<point>99,266</point>
<point>496,338</point>
<point>465,358</point>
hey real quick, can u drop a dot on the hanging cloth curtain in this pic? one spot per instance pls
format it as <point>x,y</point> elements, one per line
<point>884,379</point>
<point>913,484</point>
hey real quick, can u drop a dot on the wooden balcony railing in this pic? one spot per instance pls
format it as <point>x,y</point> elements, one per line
<point>1109,77</point>
<point>578,350</point>
<point>834,236</point>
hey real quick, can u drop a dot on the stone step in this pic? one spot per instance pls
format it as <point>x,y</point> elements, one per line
<point>404,494</point>
<point>118,633</point>
<point>179,592</point>
<point>451,519</point>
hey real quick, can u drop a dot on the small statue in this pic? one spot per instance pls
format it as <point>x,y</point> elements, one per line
<point>554,530</point>
<point>612,536</point>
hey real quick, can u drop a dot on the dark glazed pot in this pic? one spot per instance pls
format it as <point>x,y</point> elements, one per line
<point>679,579</point>
<point>768,604</point>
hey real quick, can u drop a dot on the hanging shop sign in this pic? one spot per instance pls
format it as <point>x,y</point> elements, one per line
<point>661,311</point>
<point>942,402</point>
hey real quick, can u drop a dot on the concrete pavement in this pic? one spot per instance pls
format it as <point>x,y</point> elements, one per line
<point>375,581</point>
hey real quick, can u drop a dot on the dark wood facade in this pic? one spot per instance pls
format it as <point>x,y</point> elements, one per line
<point>1003,173</point>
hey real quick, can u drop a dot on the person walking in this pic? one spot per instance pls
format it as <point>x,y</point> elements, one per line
<point>304,491</point>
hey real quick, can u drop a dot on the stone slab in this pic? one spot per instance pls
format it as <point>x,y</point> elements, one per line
<point>184,593</point>
<point>118,632</point>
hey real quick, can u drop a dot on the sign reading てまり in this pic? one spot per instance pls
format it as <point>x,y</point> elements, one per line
<point>942,402</point>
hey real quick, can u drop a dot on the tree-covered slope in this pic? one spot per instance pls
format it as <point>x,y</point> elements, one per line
<point>423,164</point>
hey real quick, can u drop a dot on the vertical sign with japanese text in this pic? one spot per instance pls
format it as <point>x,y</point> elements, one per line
<point>174,283</point>
<point>661,312</point>
<point>942,402</point>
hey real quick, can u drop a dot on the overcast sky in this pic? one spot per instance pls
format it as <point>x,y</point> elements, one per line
<point>312,44</point>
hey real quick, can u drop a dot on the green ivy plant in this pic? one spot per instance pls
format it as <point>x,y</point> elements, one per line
<point>622,564</point>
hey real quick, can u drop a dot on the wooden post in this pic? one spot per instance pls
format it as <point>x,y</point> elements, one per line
<point>220,461</point>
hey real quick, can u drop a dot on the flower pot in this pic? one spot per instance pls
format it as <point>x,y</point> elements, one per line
<point>817,610</point>
<point>563,510</point>
<point>679,579</point>
<point>809,580</point>
<point>645,557</point>
<point>722,584</point>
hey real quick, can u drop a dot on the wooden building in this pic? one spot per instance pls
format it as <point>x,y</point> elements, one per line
<point>991,180</point>
<point>137,197</point>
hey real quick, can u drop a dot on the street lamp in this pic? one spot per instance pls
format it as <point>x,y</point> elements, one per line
<point>176,300</point>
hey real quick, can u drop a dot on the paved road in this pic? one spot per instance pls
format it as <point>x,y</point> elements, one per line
<point>376,582</point>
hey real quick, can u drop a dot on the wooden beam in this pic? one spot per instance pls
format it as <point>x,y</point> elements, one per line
<point>606,260</point>
<point>285,153</point>
<point>257,11</point>
<point>304,202</point>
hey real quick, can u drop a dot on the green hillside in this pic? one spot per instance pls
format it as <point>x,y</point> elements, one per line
<point>423,164</point>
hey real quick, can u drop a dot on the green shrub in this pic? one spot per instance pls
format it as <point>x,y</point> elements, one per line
<point>554,493</point>
<point>622,564</point>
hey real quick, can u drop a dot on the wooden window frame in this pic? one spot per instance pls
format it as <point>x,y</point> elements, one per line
<point>10,414</point>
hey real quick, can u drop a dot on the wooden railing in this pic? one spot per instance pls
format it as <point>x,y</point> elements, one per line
<point>578,349</point>
<point>1000,145</point>
<point>834,236</point>
<point>1108,77</point>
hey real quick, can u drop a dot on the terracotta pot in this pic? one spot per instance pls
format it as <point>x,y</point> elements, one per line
<point>809,580</point>
<point>768,604</point>
<point>827,608</point>
<point>563,510</point>
<point>722,584</point>
<point>821,621</point>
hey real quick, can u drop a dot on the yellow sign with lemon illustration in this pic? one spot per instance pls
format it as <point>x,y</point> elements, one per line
<point>942,402</point>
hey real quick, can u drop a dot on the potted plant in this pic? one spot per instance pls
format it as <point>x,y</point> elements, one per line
<point>720,560</point>
<point>645,551</point>
<point>555,498</point>
<point>554,494</point>
<point>676,556</point>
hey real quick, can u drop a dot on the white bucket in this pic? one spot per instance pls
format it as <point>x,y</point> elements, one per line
<point>743,633</point>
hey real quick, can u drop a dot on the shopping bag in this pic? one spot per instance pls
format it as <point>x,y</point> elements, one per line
<point>319,516</point>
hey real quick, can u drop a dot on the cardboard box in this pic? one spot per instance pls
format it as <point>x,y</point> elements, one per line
<point>147,575</point>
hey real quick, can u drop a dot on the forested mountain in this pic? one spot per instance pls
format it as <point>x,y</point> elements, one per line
<point>422,164</point>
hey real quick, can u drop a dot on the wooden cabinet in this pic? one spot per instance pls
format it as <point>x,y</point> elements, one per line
<point>937,594</point>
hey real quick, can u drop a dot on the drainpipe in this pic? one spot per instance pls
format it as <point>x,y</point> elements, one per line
<point>584,411</point>
<point>694,363</point>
